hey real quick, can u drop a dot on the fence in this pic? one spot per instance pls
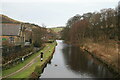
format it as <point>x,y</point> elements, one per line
<point>19,59</point>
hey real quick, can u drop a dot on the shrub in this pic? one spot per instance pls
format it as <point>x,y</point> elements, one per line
<point>37,44</point>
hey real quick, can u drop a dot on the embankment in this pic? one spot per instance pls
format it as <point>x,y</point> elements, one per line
<point>107,53</point>
<point>39,69</point>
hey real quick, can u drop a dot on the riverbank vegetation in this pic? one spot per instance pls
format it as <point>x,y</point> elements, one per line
<point>97,32</point>
<point>29,69</point>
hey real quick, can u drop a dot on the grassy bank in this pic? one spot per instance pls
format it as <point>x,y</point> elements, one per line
<point>25,73</point>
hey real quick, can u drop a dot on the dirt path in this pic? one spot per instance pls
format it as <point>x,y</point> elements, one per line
<point>24,67</point>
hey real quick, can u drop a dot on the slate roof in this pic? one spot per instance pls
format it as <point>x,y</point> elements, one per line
<point>10,29</point>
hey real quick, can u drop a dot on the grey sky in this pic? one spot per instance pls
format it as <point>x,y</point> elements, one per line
<point>51,12</point>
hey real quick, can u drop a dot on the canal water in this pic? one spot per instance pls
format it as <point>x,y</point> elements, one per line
<point>71,62</point>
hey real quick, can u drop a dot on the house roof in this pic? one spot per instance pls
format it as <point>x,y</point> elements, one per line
<point>10,29</point>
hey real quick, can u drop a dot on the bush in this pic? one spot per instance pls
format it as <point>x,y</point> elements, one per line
<point>14,55</point>
<point>37,44</point>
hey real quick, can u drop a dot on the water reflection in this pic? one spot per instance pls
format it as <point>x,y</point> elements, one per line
<point>82,63</point>
<point>74,63</point>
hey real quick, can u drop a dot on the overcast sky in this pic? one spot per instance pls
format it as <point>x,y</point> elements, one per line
<point>52,13</point>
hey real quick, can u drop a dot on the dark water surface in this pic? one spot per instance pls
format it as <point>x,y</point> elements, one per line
<point>71,62</point>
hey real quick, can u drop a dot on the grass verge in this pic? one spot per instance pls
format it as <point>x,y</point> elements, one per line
<point>25,73</point>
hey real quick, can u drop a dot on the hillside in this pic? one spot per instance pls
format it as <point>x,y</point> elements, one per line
<point>6,19</point>
<point>57,29</point>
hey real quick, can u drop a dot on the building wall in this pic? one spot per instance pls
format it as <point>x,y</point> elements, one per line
<point>28,36</point>
<point>10,42</point>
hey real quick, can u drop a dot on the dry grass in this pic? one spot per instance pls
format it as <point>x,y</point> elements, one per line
<point>108,51</point>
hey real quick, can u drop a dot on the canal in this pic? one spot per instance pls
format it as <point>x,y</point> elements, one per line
<point>71,62</point>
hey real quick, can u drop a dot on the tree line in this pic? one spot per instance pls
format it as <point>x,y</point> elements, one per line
<point>97,26</point>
